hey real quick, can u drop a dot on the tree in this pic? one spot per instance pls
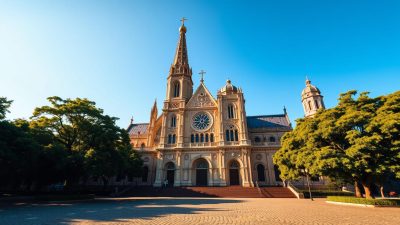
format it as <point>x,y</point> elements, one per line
<point>95,145</point>
<point>4,105</point>
<point>354,141</point>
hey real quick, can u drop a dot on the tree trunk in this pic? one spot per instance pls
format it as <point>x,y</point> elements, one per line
<point>105,182</point>
<point>357,189</point>
<point>382,192</point>
<point>367,188</point>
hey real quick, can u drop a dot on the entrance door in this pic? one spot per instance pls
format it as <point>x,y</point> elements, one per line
<point>170,177</point>
<point>201,177</point>
<point>234,173</point>
<point>201,172</point>
<point>170,173</point>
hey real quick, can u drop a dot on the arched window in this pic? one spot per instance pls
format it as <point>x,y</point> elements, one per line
<point>316,104</point>
<point>173,121</point>
<point>211,137</point>
<point>257,139</point>
<point>272,139</point>
<point>260,172</point>
<point>201,137</point>
<point>202,164</point>
<point>177,89</point>
<point>206,137</point>
<point>231,111</point>
<point>170,166</point>
<point>232,134</point>
<point>142,146</point>
<point>169,139</point>
<point>234,165</point>
<point>145,173</point>
<point>173,139</point>
<point>192,138</point>
<point>197,138</point>
<point>309,105</point>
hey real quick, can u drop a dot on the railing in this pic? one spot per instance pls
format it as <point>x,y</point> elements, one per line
<point>295,191</point>
<point>201,144</point>
<point>170,145</point>
<point>231,143</point>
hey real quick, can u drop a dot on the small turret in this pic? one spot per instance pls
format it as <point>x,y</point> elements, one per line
<point>312,99</point>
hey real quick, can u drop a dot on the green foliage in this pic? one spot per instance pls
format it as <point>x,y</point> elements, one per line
<point>4,105</point>
<point>358,140</point>
<point>377,202</point>
<point>325,193</point>
<point>66,142</point>
<point>96,145</point>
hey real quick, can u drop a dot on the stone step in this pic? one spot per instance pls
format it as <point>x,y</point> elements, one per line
<point>219,192</point>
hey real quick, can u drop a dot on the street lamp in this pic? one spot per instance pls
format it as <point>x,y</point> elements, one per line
<point>308,182</point>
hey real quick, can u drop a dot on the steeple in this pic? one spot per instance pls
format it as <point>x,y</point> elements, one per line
<point>180,64</point>
<point>180,84</point>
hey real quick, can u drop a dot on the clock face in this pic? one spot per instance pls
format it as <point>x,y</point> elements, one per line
<point>202,121</point>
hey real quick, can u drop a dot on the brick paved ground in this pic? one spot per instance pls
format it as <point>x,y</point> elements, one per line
<point>194,211</point>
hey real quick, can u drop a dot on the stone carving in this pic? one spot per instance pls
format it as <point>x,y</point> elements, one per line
<point>186,157</point>
<point>170,156</point>
<point>258,156</point>
<point>201,99</point>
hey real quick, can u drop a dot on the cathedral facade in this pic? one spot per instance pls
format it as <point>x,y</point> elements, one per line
<point>199,140</point>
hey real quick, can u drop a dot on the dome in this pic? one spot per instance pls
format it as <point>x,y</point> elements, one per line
<point>310,89</point>
<point>229,87</point>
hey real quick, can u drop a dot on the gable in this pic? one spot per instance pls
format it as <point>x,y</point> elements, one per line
<point>201,98</point>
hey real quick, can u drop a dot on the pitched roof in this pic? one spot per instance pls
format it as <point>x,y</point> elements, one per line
<point>137,128</point>
<point>268,121</point>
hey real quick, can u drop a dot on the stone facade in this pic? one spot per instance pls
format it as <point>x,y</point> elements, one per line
<point>199,140</point>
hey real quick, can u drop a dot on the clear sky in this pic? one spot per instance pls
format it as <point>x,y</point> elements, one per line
<point>118,53</point>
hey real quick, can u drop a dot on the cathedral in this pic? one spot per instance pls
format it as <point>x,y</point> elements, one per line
<point>199,140</point>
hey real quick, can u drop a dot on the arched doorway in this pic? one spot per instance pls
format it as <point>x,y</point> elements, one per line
<point>201,172</point>
<point>234,173</point>
<point>261,173</point>
<point>145,174</point>
<point>170,173</point>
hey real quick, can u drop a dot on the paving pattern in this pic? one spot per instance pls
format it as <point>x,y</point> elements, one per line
<point>196,211</point>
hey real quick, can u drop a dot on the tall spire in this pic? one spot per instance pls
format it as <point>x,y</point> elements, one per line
<point>181,61</point>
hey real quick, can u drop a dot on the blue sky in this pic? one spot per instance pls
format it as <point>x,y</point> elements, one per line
<point>118,53</point>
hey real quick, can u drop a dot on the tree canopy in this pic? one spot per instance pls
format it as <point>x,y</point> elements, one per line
<point>358,140</point>
<point>68,141</point>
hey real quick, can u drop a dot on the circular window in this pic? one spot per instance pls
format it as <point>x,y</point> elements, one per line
<point>202,121</point>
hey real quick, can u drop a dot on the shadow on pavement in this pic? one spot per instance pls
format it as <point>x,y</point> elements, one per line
<point>106,210</point>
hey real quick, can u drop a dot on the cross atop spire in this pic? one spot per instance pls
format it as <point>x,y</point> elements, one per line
<point>202,72</point>
<point>307,80</point>
<point>183,20</point>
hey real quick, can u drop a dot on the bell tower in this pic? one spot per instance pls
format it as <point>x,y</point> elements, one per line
<point>179,81</point>
<point>312,99</point>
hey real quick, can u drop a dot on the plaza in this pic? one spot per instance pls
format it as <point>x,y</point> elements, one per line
<point>195,211</point>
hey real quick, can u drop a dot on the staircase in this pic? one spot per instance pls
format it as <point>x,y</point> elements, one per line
<point>228,192</point>
<point>277,192</point>
<point>214,192</point>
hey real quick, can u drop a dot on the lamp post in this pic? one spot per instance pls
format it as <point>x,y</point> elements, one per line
<point>308,182</point>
